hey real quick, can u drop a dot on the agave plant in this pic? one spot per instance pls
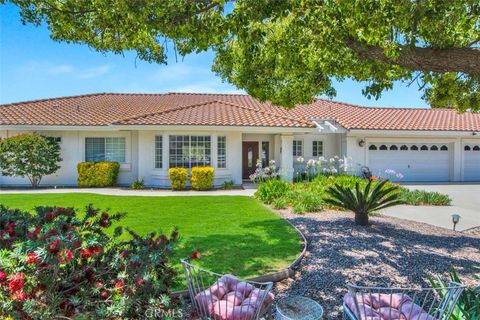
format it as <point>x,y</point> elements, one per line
<point>364,200</point>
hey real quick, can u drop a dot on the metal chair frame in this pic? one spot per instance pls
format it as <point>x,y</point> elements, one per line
<point>436,302</point>
<point>199,280</point>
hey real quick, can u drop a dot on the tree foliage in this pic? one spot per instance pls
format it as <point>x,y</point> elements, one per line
<point>29,155</point>
<point>289,51</point>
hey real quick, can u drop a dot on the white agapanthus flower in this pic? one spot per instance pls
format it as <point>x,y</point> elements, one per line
<point>332,160</point>
<point>340,160</point>
<point>333,170</point>
<point>390,171</point>
<point>321,159</point>
<point>300,159</point>
<point>311,162</point>
<point>272,162</point>
<point>399,175</point>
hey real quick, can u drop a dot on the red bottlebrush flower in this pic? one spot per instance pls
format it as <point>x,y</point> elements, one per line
<point>51,233</point>
<point>32,258</point>
<point>105,216</point>
<point>95,250</point>
<point>103,223</point>
<point>99,284</point>
<point>54,246</point>
<point>76,278</point>
<point>65,256</point>
<point>77,244</point>
<point>10,228</point>
<point>195,255</point>
<point>50,216</point>
<point>19,296</point>
<point>119,284</point>
<point>16,283</point>
<point>85,253</point>
<point>104,294</point>
<point>38,290</point>
<point>123,254</point>
<point>90,274</point>
<point>140,281</point>
<point>3,277</point>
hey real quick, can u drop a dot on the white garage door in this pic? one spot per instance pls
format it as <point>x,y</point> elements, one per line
<point>471,162</point>
<point>414,162</point>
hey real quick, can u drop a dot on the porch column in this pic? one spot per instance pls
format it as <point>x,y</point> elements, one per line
<point>286,170</point>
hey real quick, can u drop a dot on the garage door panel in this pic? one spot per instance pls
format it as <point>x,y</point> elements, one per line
<point>471,162</point>
<point>413,165</point>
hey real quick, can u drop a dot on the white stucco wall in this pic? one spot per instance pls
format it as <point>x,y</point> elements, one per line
<point>73,152</point>
<point>159,177</point>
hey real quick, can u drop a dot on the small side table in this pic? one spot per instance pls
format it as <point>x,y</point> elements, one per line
<point>298,308</point>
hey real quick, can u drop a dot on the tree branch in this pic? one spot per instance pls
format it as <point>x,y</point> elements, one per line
<point>466,60</point>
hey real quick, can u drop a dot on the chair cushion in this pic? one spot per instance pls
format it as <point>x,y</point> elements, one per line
<point>232,299</point>
<point>394,306</point>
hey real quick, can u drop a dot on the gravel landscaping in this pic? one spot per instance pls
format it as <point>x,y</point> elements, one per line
<point>391,252</point>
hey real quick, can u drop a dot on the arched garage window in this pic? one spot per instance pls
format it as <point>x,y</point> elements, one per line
<point>372,147</point>
<point>403,148</point>
<point>414,148</point>
<point>434,148</point>
<point>383,147</point>
<point>444,148</point>
<point>393,147</point>
<point>467,148</point>
<point>424,148</point>
<point>476,148</point>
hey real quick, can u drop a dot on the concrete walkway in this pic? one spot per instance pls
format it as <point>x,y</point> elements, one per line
<point>128,192</point>
<point>465,202</point>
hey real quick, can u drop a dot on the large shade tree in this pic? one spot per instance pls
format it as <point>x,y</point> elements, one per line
<point>289,51</point>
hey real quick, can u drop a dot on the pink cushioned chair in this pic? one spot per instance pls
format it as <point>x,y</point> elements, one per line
<point>225,297</point>
<point>362,303</point>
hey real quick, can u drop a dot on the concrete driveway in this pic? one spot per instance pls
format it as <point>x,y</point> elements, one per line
<point>465,202</point>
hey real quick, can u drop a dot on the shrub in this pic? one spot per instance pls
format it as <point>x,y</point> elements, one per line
<point>364,200</point>
<point>29,155</point>
<point>178,178</point>
<point>138,184</point>
<point>228,185</point>
<point>97,174</point>
<point>303,201</point>
<point>280,203</point>
<point>55,264</point>
<point>271,189</point>
<point>468,305</point>
<point>422,197</point>
<point>202,178</point>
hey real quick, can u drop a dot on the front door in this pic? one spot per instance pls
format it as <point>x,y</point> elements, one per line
<point>249,157</point>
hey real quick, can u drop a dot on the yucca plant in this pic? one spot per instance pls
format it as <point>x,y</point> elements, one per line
<point>364,200</point>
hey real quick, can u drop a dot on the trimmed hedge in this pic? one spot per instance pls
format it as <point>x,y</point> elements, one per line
<point>202,178</point>
<point>97,174</point>
<point>178,178</point>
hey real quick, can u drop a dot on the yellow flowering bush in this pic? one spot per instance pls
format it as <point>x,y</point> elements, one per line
<point>202,178</point>
<point>178,178</point>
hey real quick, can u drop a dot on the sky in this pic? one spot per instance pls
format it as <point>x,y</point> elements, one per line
<point>32,66</point>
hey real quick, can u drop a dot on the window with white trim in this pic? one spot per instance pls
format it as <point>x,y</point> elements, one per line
<point>222,152</point>
<point>105,149</point>
<point>317,148</point>
<point>297,148</point>
<point>158,152</point>
<point>189,151</point>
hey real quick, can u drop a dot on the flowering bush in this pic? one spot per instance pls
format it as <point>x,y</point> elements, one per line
<point>262,174</point>
<point>313,167</point>
<point>55,264</point>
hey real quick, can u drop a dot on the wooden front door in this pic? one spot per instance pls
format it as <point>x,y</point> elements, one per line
<point>249,158</point>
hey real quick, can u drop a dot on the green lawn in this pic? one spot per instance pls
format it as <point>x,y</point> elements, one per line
<point>234,234</point>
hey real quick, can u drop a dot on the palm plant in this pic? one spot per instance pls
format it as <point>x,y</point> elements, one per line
<point>364,200</point>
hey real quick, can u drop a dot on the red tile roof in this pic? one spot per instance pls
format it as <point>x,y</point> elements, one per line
<point>223,110</point>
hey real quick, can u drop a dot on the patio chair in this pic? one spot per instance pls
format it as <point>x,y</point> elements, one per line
<point>225,297</point>
<point>361,303</point>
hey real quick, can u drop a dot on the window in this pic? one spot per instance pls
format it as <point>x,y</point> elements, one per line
<point>476,148</point>
<point>383,147</point>
<point>372,147</point>
<point>317,148</point>
<point>467,148</point>
<point>158,152</point>
<point>424,148</point>
<point>444,148</point>
<point>414,148</point>
<point>105,149</point>
<point>57,140</point>
<point>297,148</point>
<point>265,153</point>
<point>434,148</point>
<point>393,147</point>
<point>189,151</point>
<point>403,148</point>
<point>222,152</point>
